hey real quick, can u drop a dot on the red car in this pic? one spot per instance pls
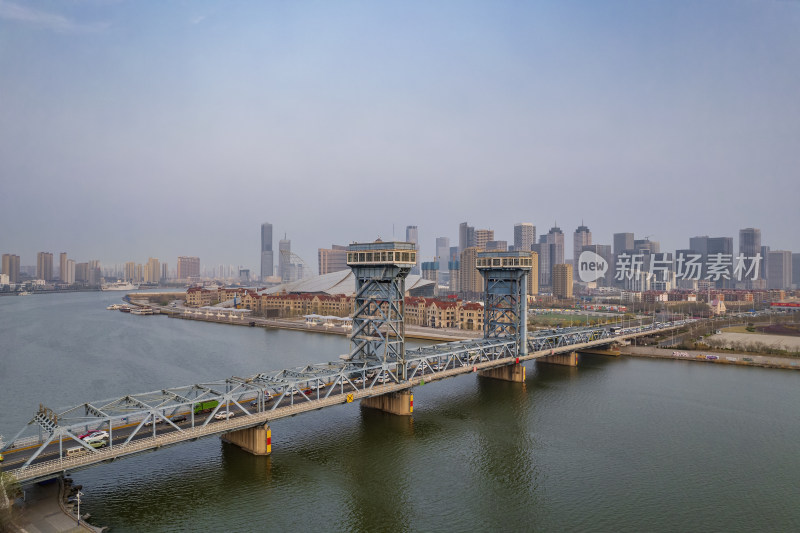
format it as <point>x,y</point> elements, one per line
<point>90,433</point>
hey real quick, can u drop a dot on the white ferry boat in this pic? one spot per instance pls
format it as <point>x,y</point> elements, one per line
<point>119,286</point>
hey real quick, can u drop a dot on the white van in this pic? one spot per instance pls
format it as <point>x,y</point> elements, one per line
<point>76,450</point>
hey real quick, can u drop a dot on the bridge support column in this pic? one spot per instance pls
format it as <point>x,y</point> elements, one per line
<point>256,440</point>
<point>514,372</point>
<point>397,403</point>
<point>564,359</point>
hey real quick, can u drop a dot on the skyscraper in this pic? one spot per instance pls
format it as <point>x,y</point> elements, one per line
<point>62,266</point>
<point>582,237</point>
<point>284,259</point>
<point>68,275</point>
<point>749,242</point>
<point>412,235</point>
<point>152,271</point>
<point>796,270</point>
<point>779,273</point>
<point>333,259</point>
<point>11,267</point>
<point>604,251</point>
<point>442,252</point>
<point>482,236</point>
<point>551,252</point>
<point>622,242</point>
<point>466,237</point>
<point>724,246</point>
<point>471,281</point>
<point>562,281</point>
<point>188,267</point>
<point>267,258</point>
<point>44,266</point>
<point>524,236</point>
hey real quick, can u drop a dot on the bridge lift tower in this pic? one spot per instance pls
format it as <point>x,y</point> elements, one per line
<point>380,270</point>
<point>505,307</point>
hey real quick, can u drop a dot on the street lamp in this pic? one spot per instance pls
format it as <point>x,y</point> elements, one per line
<point>78,499</point>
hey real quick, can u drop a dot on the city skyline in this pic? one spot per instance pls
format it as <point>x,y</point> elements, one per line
<point>646,119</point>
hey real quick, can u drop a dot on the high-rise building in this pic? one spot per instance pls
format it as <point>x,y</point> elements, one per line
<point>724,246</point>
<point>497,246</point>
<point>796,270</point>
<point>779,273</point>
<point>68,274</point>
<point>164,272</point>
<point>622,242</point>
<point>482,236</point>
<point>333,259</point>
<point>130,271</point>
<point>551,252</point>
<point>524,236</point>
<point>454,270</point>
<point>466,237</point>
<point>152,271</point>
<point>764,263</point>
<point>582,237</point>
<point>44,266</point>
<point>442,252</point>
<point>604,251</point>
<point>11,267</point>
<point>471,281</point>
<point>646,246</point>
<point>699,245</point>
<point>533,277</point>
<point>267,258</point>
<point>82,272</point>
<point>542,251</point>
<point>188,267</point>
<point>285,259</point>
<point>749,241</point>
<point>62,266</point>
<point>412,235</point>
<point>430,271</point>
<point>562,281</point>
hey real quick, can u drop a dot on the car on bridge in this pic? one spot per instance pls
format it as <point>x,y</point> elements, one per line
<point>150,422</point>
<point>224,416</point>
<point>95,437</point>
<point>92,432</point>
<point>178,419</point>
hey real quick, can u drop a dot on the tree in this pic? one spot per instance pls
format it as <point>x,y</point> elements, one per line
<point>9,489</point>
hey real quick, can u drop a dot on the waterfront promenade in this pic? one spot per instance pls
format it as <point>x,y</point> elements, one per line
<point>718,357</point>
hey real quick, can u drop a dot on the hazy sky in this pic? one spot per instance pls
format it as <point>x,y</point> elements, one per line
<point>137,129</point>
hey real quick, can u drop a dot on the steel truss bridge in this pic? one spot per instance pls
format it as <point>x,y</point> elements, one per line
<point>50,444</point>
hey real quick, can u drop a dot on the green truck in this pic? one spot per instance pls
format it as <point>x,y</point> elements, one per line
<point>205,407</point>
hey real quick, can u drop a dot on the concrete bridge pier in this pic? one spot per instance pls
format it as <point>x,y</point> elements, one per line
<point>564,359</point>
<point>514,372</point>
<point>397,403</point>
<point>256,440</point>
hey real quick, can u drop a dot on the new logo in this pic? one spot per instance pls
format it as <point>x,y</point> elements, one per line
<point>591,267</point>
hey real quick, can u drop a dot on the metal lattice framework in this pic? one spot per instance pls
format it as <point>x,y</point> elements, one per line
<point>380,271</point>
<point>505,305</point>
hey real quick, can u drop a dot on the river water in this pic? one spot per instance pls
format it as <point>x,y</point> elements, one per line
<point>617,444</point>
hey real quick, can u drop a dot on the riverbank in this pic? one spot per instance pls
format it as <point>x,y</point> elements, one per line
<point>710,356</point>
<point>411,332</point>
<point>45,509</point>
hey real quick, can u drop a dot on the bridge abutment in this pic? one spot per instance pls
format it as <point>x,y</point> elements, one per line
<point>564,359</point>
<point>514,372</point>
<point>397,403</point>
<point>256,440</point>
